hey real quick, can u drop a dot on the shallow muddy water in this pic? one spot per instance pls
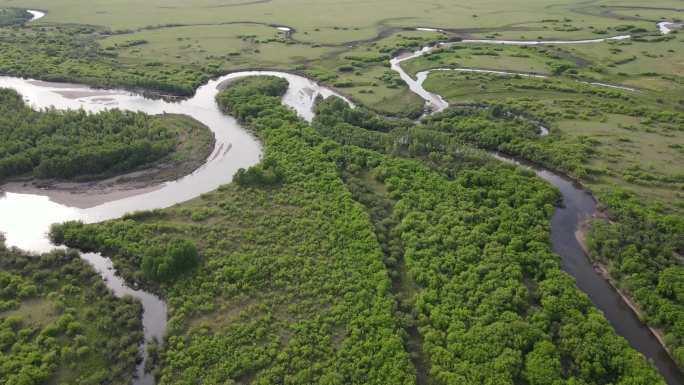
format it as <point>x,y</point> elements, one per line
<point>26,218</point>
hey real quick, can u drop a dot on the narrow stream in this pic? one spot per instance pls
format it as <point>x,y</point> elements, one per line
<point>26,217</point>
<point>578,206</point>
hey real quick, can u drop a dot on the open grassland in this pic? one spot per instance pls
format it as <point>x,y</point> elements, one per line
<point>173,46</point>
<point>649,61</point>
<point>638,63</point>
<point>635,139</point>
<point>541,60</point>
<point>342,21</point>
<point>237,45</point>
<point>632,10</point>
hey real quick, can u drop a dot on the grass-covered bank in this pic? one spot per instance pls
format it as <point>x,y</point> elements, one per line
<point>75,145</point>
<point>59,324</point>
<point>607,137</point>
<point>304,276</point>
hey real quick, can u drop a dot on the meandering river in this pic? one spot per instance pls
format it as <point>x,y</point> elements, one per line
<point>26,218</point>
<point>578,206</point>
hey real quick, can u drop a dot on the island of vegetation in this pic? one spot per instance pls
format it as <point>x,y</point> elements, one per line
<point>79,146</point>
<point>13,16</point>
<point>377,244</point>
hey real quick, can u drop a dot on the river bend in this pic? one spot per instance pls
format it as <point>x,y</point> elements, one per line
<point>578,206</point>
<point>26,218</point>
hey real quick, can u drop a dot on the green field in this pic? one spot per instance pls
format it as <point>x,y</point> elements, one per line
<point>540,60</point>
<point>330,21</point>
<point>636,141</point>
<point>177,45</point>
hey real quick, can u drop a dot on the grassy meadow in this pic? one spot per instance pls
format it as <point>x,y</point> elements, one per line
<point>332,22</point>
<point>636,137</point>
<point>208,37</point>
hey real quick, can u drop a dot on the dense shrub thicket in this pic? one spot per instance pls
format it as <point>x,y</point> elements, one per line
<point>490,302</point>
<point>72,53</point>
<point>71,144</point>
<point>241,102</point>
<point>13,16</point>
<point>642,247</point>
<point>292,288</point>
<point>60,324</point>
<point>299,281</point>
<point>497,128</point>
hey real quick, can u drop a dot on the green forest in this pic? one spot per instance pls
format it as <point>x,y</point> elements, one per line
<point>59,324</point>
<point>78,145</point>
<point>642,247</point>
<point>439,267</point>
<point>72,53</point>
<point>12,16</point>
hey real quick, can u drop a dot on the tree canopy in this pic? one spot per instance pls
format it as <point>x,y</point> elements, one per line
<point>60,324</point>
<point>378,258</point>
<point>74,144</point>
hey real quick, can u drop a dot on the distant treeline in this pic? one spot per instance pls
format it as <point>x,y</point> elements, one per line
<point>72,53</point>
<point>12,16</point>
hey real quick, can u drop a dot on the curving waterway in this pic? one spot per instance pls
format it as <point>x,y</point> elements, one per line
<point>26,218</point>
<point>578,206</point>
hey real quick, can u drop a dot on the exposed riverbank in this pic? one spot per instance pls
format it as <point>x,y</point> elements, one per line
<point>601,268</point>
<point>229,154</point>
<point>195,145</point>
